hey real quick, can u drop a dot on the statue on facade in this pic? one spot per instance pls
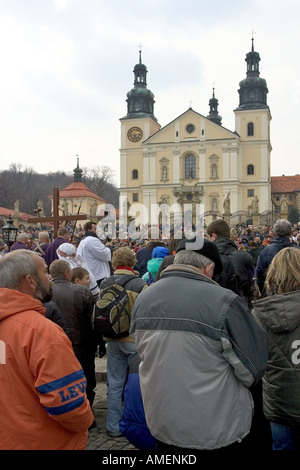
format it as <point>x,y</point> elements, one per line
<point>284,208</point>
<point>164,173</point>
<point>65,206</point>
<point>40,206</point>
<point>93,209</point>
<point>17,208</point>
<point>255,205</point>
<point>226,204</point>
<point>164,199</point>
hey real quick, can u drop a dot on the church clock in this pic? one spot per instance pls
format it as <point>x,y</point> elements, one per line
<point>135,134</point>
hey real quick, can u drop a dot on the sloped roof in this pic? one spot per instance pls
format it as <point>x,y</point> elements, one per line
<point>78,189</point>
<point>7,212</point>
<point>285,184</point>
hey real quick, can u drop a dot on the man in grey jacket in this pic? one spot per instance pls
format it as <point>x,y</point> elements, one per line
<point>200,351</point>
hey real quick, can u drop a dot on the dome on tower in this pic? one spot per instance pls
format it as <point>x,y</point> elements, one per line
<point>253,89</point>
<point>140,100</point>
<point>213,110</point>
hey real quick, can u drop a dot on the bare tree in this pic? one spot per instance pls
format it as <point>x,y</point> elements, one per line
<point>30,187</point>
<point>100,181</point>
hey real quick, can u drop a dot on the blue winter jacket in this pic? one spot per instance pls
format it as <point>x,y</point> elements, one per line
<point>266,257</point>
<point>133,423</point>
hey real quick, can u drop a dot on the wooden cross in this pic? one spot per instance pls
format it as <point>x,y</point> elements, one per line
<point>56,218</point>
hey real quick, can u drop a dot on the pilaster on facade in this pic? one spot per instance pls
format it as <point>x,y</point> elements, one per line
<point>149,205</point>
<point>265,198</point>
<point>123,136</point>
<point>123,169</point>
<point>265,126</point>
<point>202,164</point>
<point>233,162</point>
<point>265,163</point>
<point>152,167</point>
<point>240,164</point>
<point>146,169</point>
<point>226,163</point>
<point>176,165</point>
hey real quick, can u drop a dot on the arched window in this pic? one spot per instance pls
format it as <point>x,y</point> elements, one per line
<point>250,170</point>
<point>250,129</point>
<point>190,166</point>
<point>135,174</point>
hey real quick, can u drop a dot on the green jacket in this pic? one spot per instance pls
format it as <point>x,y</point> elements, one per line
<point>279,315</point>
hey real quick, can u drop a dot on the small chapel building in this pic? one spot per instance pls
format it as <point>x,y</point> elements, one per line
<point>78,199</point>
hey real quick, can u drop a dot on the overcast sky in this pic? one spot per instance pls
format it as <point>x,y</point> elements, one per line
<point>67,65</point>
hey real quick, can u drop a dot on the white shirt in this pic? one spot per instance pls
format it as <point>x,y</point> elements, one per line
<point>96,255</point>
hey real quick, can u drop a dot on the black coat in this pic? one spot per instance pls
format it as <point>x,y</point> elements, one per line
<point>54,314</point>
<point>76,304</point>
<point>242,262</point>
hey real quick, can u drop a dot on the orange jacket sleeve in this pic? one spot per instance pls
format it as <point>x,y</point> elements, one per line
<point>61,384</point>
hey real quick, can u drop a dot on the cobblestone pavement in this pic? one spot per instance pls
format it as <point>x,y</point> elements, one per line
<point>98,437</point>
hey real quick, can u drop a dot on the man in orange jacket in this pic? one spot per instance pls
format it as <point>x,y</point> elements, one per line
<point>43,403</point>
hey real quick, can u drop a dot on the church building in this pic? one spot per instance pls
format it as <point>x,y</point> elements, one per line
<point>193,163</point>
<point>78,199</point>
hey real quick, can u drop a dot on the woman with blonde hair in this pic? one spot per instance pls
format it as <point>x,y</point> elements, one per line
<point>279,315</point>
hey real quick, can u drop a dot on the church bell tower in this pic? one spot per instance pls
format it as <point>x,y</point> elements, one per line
<point>252,124</point>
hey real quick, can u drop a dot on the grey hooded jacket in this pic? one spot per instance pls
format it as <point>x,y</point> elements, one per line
<point>279,315</point>
<point>200,350</point>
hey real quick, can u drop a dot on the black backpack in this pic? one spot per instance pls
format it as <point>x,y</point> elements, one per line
<point>111,318</point>
<point>227,278</point>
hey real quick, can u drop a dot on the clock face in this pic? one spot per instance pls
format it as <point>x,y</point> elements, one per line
<point>135,134</point>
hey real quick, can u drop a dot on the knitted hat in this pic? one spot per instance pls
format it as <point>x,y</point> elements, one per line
<point>204,247</point>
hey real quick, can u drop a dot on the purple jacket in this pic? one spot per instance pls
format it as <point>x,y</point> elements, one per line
<point>19,246</point>
<point>50,254</point>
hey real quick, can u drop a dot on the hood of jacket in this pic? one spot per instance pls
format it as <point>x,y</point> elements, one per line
<point>225,245</point>
<point>153,265</point>
<point>282,241</point>
<point>279,313</point>
<point>13,302</point>
<point>160,252</point>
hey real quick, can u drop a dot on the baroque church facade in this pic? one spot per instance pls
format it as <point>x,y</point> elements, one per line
<point>193,163</point>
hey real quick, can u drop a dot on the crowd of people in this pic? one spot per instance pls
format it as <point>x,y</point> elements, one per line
<point>210,361</point>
